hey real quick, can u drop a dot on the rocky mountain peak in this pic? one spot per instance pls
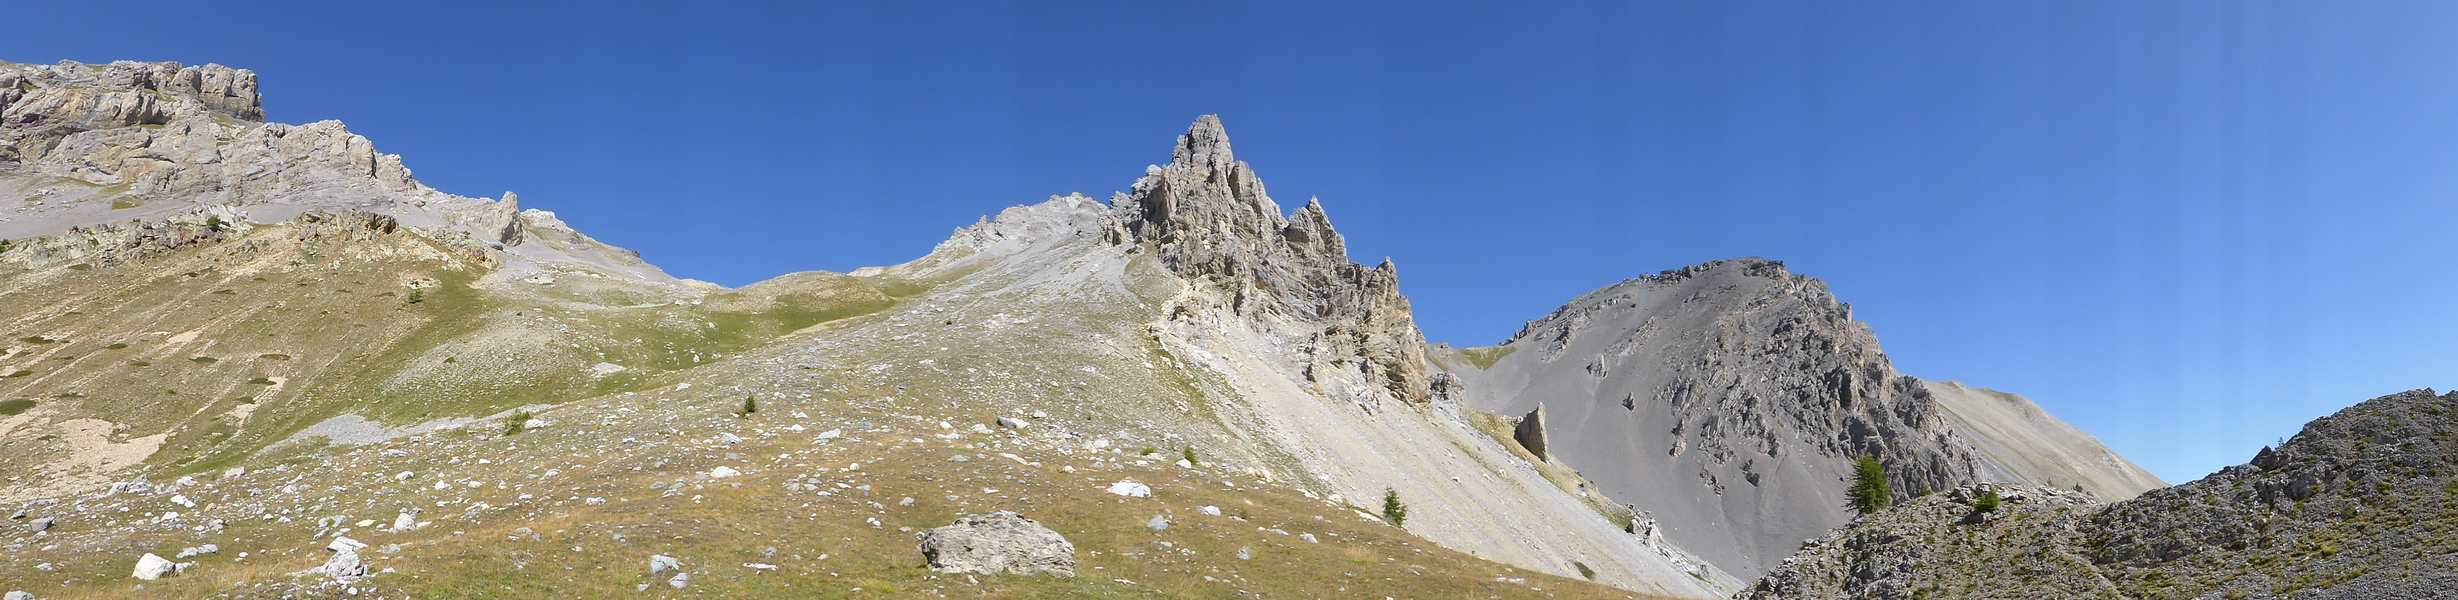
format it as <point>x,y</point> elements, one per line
<point>1208,216</point>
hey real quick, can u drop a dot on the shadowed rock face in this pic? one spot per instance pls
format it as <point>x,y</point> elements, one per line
<point>1211,221</point>
<point>1531,432</point>
<point>1728,399</point>
<point>2358,505</point>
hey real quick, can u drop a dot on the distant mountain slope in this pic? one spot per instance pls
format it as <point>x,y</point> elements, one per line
<point>94,145</point>
<point>2360,504</point>
<point>2019,443</point>
<point>1727,399</point>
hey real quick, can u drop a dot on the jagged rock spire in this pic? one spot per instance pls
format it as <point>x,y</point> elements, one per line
<point>1211,220</point>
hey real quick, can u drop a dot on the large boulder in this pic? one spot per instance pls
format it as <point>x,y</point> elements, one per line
<point>999,542</point>
<point>1531,432</point>
<point>152,567</point>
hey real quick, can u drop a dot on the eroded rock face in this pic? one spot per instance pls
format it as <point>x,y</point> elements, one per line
<point>999,542</point>
<point>1208,215</point>
<point>94,145</point>
<point>41,104</point>
<point>1531,432</point>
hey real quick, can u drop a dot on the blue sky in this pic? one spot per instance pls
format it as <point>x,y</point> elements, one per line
<point>2186,229</point>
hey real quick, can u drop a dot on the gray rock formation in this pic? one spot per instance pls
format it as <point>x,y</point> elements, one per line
<point>999,542</point>
<point>108,145</point>
<point>2358,505</point>
<point>1729,398</point>
<point>1530,432</point>
<point>1209,218</point>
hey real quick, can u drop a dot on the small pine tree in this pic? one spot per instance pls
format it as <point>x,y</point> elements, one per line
<point>1190,456</point>
<point>1868,493</point>
<point>214,222</point>
<point>2078,488</point>
<point>1987,501</point>
<point>4,246</point>
<point>518,423</point>
<point>1394,512</point>
<point>751,404</point>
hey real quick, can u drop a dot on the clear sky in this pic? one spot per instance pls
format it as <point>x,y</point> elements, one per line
<point>2186,229</point>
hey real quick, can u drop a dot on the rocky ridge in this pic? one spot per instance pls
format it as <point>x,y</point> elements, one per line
<point>2360,504</point>
<point>101,145</point>
<point>1209,218</point>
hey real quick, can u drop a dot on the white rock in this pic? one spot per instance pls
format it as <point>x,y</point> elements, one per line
<point>723,472</point>
<point>1209,510</point>
<point>152,567</point>
<point>660,563</point>
<point>1131,489</point>
<point>182,500</point>
<point>679,580</point>
<point>344,544</point>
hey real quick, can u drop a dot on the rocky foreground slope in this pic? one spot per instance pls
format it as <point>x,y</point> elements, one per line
<point>2360,504</point>
<point>1726,401</point>
<point>253,359</point>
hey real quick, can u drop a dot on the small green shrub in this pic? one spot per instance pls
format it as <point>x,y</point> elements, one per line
<point>517,423</point>
<point>417,296</point>
<point>1987,502</point>
<point>215,223</point>
<point>15,407</point>
<point>751,404</point>
<point>1189,451</point>
<point>1868,493</point>
<point>1394,511</point>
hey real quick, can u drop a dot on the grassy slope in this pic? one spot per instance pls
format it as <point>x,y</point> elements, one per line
<point>336,320</point>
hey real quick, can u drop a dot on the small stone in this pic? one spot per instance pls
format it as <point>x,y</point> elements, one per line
<point>1013,423</point>
<point>1157,524</point>
<point>723,472</point>
<point>1131,489</point>
<point>679,581</point>
<point>40,525</point>
<point>660,563</point>
<point>18,595</point>
<point>1209,510</point>
<point>1245,553</point>
<point>1308,537</point>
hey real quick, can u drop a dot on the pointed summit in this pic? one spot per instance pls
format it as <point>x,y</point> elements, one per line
<point>1210,220</point>
<point>1205,143</point>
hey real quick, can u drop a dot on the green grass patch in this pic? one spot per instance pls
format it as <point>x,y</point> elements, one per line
<point>1484,358</point>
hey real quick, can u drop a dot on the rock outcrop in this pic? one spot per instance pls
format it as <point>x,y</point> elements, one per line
<point>2358,505</point>
<point>89,145</point>
<point>996,543</point>
<point>1530,432</point>
<point>1209,218</point>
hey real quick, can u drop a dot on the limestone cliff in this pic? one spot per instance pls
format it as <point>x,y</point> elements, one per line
<point>1209,218</point>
